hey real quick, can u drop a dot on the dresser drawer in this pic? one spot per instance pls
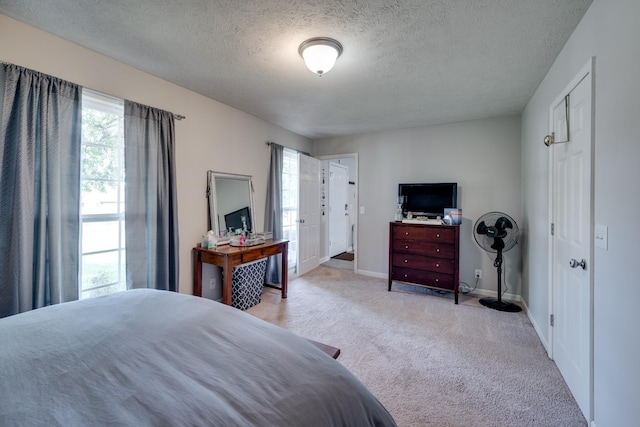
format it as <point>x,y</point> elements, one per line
<point>428,234</point>
<point>418,262</point>
<point>440,250</point>
<point>427,278</point>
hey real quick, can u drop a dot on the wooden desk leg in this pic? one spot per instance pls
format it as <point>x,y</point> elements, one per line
<point>197,274</point>
<point>227,281</point>
<point>285,270</point>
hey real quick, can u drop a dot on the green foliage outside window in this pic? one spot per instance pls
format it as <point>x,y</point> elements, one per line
<point>100,152</point>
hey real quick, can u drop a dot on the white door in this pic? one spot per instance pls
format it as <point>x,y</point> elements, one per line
<point>338,208</point>
<point>571,240</point>
<point>308,214</point>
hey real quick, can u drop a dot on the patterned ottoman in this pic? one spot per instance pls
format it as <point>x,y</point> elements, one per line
<point>247,280</point>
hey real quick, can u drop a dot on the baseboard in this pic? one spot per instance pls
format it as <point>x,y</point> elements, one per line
<point>478,292</point>
<point>324,259</point>
<point>494,294</point>
<point>372,274</point>
<point>536,327</point>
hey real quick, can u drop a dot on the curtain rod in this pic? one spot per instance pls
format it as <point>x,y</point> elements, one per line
<point>175,116</point>
<point>292,149</point>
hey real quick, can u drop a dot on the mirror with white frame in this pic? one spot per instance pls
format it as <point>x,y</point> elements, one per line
<point>230,204</point>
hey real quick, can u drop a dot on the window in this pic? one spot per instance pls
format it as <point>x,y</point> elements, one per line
<point>290,203</point>
<point>102,196</point>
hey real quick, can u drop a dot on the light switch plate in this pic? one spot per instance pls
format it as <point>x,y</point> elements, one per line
<point>601,236</point>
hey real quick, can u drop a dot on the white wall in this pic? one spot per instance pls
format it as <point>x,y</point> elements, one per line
<point>213,135</point>
<point>610,32</point>
<point>482,156</point>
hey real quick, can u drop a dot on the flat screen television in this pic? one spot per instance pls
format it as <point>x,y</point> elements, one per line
<point>428,199</point>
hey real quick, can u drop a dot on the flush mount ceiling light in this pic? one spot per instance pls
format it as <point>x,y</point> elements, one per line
<point>320,54</point>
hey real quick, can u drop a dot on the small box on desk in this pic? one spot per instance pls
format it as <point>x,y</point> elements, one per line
<point>454,214</point>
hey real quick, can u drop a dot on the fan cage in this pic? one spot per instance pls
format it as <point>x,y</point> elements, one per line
<point>485,242</point>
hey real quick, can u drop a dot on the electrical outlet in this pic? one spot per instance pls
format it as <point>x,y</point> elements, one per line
<point>478,274</point>
<point>212,283</point>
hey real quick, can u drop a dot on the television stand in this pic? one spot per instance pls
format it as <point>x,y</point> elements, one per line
<point>425,255</point>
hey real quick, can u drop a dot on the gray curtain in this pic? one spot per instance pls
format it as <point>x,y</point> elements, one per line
<point>40,150</point>
<point>151,214</point>
<point>273,211</point>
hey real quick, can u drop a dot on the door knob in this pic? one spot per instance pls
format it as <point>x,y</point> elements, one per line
<point>575,264</point>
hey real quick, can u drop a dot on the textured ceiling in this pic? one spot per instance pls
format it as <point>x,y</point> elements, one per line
<point>405,62</point>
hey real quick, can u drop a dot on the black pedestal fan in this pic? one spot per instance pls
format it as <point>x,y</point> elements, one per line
<point>497,232</point>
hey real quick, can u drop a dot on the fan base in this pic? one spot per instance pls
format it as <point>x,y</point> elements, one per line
<point>500,305</point>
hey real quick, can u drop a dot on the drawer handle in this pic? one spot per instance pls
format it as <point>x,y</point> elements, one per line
<point>438,250</point>
<point>437,235</point>
<point>406,247</point>
<point>438,265</point>
<point>437,280</point>
<point>406,275</point>
<point>406,260</point>
<point>406,233</point>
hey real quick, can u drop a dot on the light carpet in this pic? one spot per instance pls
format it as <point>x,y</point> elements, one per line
<point>429,361</point>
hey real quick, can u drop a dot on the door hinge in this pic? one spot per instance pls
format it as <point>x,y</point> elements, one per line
<point>553,228</point>
<point>551,319</point>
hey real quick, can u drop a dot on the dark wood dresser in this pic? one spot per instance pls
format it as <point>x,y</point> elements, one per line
<point>425,255</point>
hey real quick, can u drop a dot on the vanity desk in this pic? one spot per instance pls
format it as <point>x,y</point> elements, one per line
<point>228,257</point>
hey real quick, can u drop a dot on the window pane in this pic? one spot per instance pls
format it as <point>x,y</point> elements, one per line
<point>116,287</point>
<point>102,202</point>
<point>101,127</point>
<point>99,236</point>
<point>102,195</point>
<point>123,271</point>
<point>99,270</point>
<point>290,202</point>
<point>289,217</point>
<point>99,163</point>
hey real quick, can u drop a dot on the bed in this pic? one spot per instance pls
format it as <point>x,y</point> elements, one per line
<point>159,358</point>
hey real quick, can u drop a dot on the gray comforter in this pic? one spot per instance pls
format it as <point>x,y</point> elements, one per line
<point>158,358</point>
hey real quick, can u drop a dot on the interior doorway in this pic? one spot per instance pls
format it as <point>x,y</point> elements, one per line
<point>348,258</point>
<point>338,208</point>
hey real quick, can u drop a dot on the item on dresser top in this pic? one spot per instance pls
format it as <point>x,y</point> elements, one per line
<point>429,199</point>
<point>401,200</point>
<point>209,240</point>
<point>423,220</point>
<point>242,240</point>
<point>454,214</point>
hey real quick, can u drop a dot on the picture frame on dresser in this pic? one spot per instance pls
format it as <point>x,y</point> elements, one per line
<point>425,255</point>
